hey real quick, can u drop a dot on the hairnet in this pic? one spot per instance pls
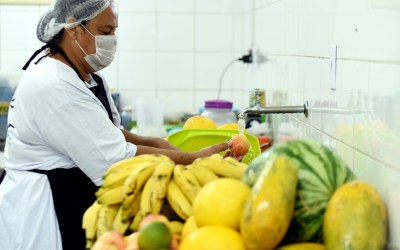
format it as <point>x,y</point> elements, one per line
<point>53,21</point>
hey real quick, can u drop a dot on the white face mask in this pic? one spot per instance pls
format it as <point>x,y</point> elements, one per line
<point>106,45</point>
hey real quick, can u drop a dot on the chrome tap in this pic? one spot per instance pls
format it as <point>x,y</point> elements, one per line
<point>259,109</point>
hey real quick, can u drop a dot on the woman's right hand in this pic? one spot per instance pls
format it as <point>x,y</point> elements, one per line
<point>214,149</point>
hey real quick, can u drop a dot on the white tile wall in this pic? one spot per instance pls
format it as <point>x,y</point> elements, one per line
<point>176,51</point>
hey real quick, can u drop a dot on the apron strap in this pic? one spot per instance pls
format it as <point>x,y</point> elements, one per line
<point>101,94</point>
<point>73,192</point>
<point>3,174</point>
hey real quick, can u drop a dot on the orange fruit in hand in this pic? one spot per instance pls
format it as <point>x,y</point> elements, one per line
<point>240,145</point>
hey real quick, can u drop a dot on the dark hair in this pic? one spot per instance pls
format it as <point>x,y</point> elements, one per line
<point>57,38</point>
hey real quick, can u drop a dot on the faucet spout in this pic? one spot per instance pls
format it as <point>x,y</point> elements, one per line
<point>258,109</point>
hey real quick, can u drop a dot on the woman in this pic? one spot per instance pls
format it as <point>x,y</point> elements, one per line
<point>64,130</point>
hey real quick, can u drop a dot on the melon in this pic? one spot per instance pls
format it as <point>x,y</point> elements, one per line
<point>320,171</point>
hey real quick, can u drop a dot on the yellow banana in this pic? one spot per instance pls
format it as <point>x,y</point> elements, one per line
<point>115,168</point>
<point>134,226</point>
<point>186,182</point>
<point>105,218</point>
<point>221,167</point>
<point>124,217</point>
<point>235,162</point>
<point>89,223</point>
<point>111,196</point>
<point>155,189</point>
<point>176,226</point>
<point>177,200</point>
<point>133,187</point>
<point>202,174</point>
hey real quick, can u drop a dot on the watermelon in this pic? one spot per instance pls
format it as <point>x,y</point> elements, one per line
<point>320,171</point>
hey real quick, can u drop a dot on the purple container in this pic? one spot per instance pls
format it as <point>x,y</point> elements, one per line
<point>218,104</point>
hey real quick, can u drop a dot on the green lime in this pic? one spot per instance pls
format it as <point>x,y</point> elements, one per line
<point>154,236</point>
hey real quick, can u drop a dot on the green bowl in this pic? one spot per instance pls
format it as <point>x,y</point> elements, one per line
<point>190,140</point>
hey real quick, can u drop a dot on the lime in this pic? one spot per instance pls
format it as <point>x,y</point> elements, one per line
<point>154,236</point>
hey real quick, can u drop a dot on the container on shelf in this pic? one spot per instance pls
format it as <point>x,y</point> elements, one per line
<point>219,111</point>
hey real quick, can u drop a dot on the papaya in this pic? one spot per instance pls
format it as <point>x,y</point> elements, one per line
<point>269,208</point>
<point>355,218</point>
<point>302,246</point>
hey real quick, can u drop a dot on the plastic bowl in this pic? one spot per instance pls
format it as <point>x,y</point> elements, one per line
<point>190,140</point>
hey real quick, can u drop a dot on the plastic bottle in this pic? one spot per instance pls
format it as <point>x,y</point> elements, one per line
<point>219,111</point>
<point>6,93</point>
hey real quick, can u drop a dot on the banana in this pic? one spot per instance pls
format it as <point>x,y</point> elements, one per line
<point>186,182</point>
<point>111,196</point>
<point>105,218</point>
<point>176,226</point>
<point>124,217</point>
<point>235,162</point>
<point>134,226</point>
<point>155,189</point>
<point>116,167</point>
<point>225,168</point>
<point>89,223</point>
<point>202,174</point>
<point>177,200</point>
<point>133,187</point>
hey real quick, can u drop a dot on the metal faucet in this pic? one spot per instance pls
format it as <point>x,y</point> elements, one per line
<point>259,109</point>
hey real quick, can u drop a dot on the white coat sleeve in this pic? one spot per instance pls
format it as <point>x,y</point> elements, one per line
<point>82,130</point>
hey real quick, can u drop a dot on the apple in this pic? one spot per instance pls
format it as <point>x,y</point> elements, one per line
<point>240,145</point>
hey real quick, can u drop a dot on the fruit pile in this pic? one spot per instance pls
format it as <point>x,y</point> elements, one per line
<point>152,184</point>
<point>299,195</point>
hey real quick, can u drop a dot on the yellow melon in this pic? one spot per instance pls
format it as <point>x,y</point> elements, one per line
<point>199,121</point>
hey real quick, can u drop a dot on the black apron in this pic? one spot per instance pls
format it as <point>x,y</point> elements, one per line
<point>72,190</point>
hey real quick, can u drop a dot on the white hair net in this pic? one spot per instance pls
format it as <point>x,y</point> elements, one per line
<point>53,21</point>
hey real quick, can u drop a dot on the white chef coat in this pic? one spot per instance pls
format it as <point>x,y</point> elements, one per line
<point>55,121</point>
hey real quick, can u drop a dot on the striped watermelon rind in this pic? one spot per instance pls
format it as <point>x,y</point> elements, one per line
<point>321,172</point>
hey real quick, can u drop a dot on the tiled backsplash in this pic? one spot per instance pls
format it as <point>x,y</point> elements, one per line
<point>176,50</point>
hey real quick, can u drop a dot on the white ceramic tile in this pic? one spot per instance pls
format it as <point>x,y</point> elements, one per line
<point>247,31</point>
<point>177,100</point>
<point>344,6</point>
<point>175,70</point>
<point>111,74</point>
<point>268,32</point>
<point>175,32</point>
<point>346,153</point>
<point>392,201</point>
<point>137,31</point>
<point>238,39</point>
<point>208,71</point>
<point>214,32</point>
<point>19,35</point>
<point>380,36</point>
<point>13,60</point>
<point>137,6</point>
<point>136,70</point>
<point>222,6</point>
<point>175,5</point>
<point>129,98</point>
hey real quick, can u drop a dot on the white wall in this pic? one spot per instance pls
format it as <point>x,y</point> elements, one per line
<point>296,36</point>
<point>175,50</point>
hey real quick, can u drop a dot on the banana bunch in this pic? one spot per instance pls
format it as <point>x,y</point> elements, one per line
<point>151,184</point>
